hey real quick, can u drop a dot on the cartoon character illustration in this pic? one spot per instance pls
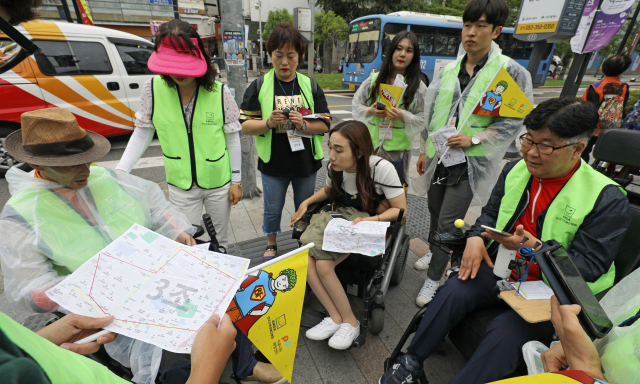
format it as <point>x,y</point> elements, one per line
<point>491,101</point>
<point>256,295</point>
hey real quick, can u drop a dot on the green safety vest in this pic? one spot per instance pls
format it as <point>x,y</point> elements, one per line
<point>444,102</point>
<point>266,97</point>
<point>60,365</point>
<point>566,212</point>
<point>65,232</point>
<point>197,155</point>
<point>399,141</point>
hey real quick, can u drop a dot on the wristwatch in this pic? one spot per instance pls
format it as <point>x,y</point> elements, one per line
<point>304,126</point>
<point>475,140</point>
<point>238,183</point>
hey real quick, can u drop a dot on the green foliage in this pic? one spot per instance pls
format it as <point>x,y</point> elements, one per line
<point>563,50</point>
<point>560,83</point>
<point>326,24</point>
<point>634,96</point>
<point>275,18</point>
<point>332,81</point>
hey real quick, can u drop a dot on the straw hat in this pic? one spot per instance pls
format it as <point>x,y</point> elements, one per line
<point>52,137</point>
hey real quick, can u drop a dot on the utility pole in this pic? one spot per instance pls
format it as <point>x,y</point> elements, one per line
<point>232,20</point>
<point>67,12</point>
<point>176,11</point>
<point>311,47</point>
<point>259,8</point>
<point>77,9</point>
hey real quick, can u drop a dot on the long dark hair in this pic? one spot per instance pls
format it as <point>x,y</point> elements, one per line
<point>411,74</point>
<point>362,148</point>
<point>180,34</point>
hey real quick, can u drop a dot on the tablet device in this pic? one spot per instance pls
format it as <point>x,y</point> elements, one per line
<point>592,317</point>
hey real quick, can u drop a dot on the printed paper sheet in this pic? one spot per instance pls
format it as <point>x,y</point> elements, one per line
<point>158,290</point>
<point>366,237</point>
<point>451,156</point>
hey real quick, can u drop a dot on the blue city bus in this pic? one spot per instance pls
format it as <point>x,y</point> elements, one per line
<point>439,39</point>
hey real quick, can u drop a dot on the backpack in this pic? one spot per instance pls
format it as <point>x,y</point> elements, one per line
<point>610,110</point>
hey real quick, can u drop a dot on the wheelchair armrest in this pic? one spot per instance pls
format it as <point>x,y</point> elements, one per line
<point>199,231</point>
<point>301,225</point>
<point>315,208</point>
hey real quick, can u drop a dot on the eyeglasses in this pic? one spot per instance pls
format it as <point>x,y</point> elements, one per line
<point>542,148</point>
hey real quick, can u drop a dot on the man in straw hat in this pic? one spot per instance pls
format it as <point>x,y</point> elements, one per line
<point>66,211</point>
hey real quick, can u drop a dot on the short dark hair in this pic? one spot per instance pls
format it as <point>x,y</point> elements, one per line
<point>286,34</point>
<point>616,65</point>
<point>180,34</point>
<point>497,11</point>
<point>20,11</point>
<point>567,117</point>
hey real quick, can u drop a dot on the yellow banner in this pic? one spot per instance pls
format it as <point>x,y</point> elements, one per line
<point>504,98</point>
<point>562,377</point>
<point>390,95</point>
<point>537,27</point>
<point>268,307</point>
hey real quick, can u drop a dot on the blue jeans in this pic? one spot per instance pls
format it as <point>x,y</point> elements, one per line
<point>275,191</point>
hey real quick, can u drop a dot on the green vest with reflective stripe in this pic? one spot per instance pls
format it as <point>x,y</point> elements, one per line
<point>444,103</point>
<point>399,141</point>
<point>266,98</point>
<point>60,365</point>
<point>65,234</point>
<point>566,212</point>
<point>198,155</point>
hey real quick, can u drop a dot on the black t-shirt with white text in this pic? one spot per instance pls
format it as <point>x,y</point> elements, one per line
<point>287,95</point>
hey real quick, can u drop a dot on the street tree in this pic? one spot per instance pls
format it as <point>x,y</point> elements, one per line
<point>275,18</point>
<point>327,24</point>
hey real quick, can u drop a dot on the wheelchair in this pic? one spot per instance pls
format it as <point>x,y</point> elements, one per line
<point>615,146</point>
<point>367,277</point>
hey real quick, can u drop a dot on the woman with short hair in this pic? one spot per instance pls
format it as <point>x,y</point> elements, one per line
<point>289,146</point>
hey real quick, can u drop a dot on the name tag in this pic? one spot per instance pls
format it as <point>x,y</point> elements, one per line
<point>385,130</point>
<point>295,141</point>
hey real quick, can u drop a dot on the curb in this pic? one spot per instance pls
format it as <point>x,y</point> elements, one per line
<point>338,91</point>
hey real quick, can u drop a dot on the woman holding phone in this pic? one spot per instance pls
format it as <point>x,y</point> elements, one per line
<point>393,129</point>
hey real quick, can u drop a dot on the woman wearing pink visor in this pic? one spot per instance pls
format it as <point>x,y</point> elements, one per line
<point>196,118</point>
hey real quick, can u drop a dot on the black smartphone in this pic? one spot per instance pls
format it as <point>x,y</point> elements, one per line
<point>337,216</point>
<point>286,112</point>
<point>592,313</point>
<point>380,106</point>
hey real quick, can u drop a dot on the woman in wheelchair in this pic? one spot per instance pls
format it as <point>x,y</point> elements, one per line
<point>360,187</point>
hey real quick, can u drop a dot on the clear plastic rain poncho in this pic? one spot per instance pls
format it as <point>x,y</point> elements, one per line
<point>483,170</point>
<point>413,118</point>
<point>619,350</point>
<point>28,253</point>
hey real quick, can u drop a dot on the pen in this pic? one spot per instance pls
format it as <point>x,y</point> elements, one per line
<point>93,337</point>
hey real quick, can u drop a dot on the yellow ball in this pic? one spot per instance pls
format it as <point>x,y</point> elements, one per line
<point>459,223</point>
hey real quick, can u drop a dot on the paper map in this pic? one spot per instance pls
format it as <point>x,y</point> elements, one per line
<point>366,237</point>
<point>439,139</point>
<point>159,291</point>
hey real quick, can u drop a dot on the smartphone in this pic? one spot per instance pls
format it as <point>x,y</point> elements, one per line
<point>503,233</point>
<point>337,216</point>
<point>380,106</point>
<point>592,313</point>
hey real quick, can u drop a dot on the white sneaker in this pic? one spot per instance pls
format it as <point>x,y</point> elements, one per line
<point>324,330</point>
<point>345,336</point>
<point>427,292</point>
<point>423,262</point>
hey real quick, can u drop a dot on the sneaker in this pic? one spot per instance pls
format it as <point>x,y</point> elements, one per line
<point>406,371</point>
<point>264,374</point>
<point>423,262</point>
<point>324,330</point>
<point>345,336</point>
<point>427,292</point>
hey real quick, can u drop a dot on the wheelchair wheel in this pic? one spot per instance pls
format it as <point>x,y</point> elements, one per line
<point>376,320</point>
<point>398,269</point>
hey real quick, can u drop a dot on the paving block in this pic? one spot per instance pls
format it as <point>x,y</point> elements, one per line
<point>370,358</point>
<point>419,246</point>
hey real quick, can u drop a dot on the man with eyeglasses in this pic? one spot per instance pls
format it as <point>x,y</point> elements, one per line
<point>549,194</point>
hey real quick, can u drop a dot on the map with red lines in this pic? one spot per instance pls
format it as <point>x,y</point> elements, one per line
<point>158,291</point>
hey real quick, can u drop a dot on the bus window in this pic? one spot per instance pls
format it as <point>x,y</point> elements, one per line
<point>363,41</point>
<point>426,36</point>
<point>390,31</point>
<point>447,41</point>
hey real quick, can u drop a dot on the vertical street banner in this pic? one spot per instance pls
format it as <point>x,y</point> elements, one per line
<point>503,97</point>
<point>268,307</point>
<point>84,11</point>
<point>603,24</point>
